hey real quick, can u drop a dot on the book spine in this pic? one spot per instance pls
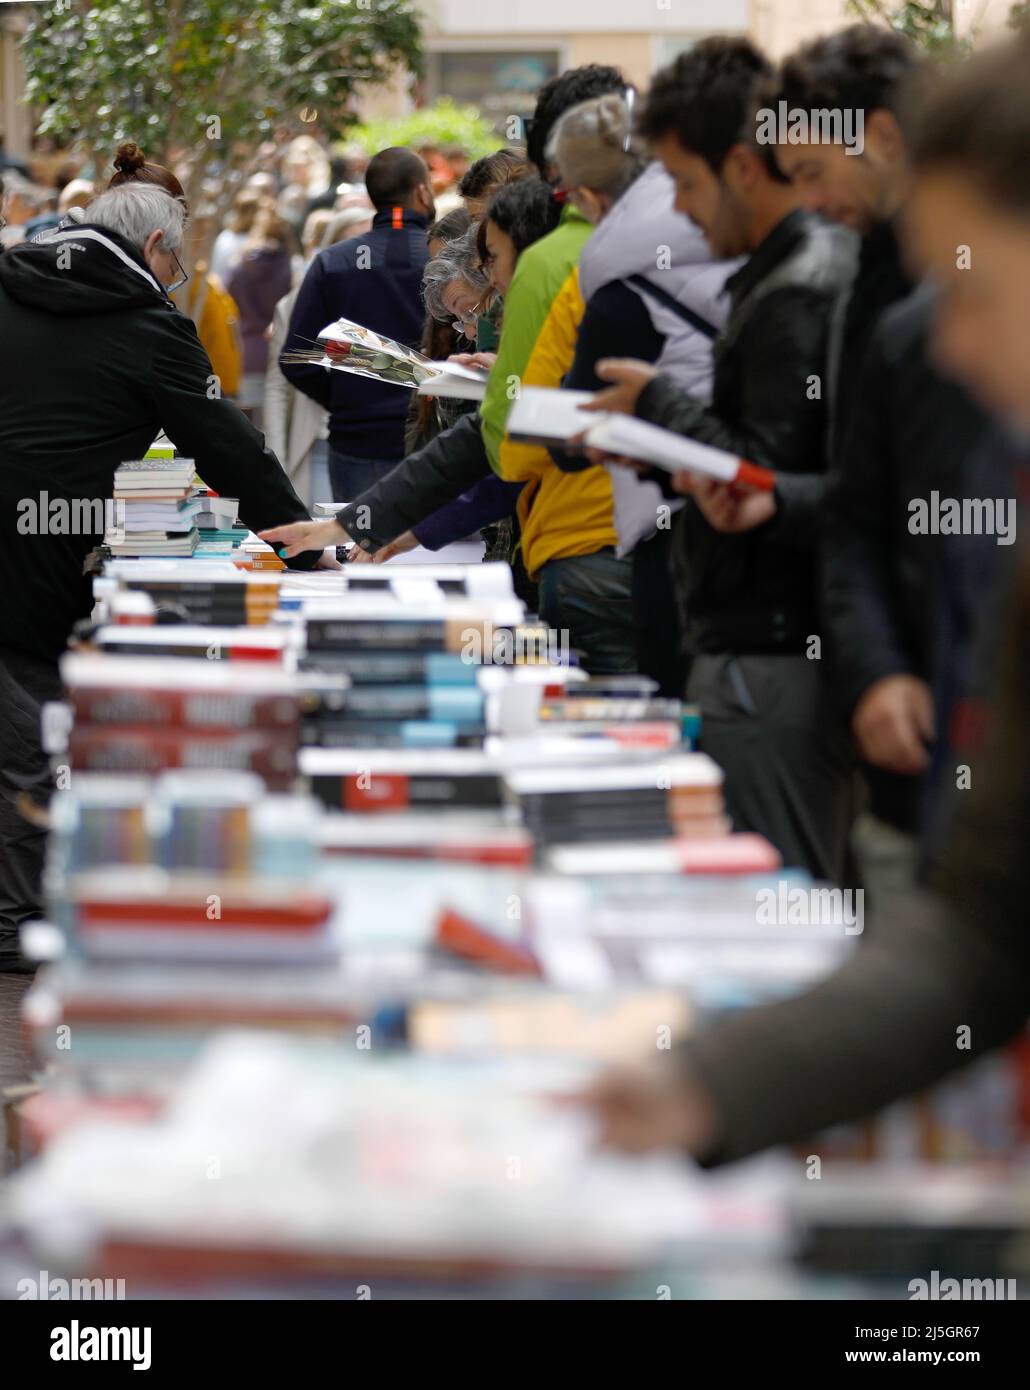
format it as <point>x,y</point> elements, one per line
<point>408,733</point>
<point>272,754</point>
<point>393,791</point>
<point>328,633</point>
<point>117,705</point>
<point>460,703</point>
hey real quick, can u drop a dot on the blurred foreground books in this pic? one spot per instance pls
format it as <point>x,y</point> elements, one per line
<point>277,1160</point>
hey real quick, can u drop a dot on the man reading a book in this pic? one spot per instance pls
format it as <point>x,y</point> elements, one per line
<point>747,558</point>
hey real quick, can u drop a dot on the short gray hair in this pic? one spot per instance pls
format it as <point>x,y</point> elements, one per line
<point>458,260</point>
<point>138,209</point>
<point>464,251</point>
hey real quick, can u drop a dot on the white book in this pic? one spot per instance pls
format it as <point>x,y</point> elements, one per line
<point>545,416</point>
<point>456,382</point>
<point>542,415</point>
<point>625,436</point>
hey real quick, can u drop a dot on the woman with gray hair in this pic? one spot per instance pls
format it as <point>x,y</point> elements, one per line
<point>95,360</point>
<point>454,286</point>
<point>149,219</point>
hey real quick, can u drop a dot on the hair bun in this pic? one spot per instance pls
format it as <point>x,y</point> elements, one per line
<point>129,158</point>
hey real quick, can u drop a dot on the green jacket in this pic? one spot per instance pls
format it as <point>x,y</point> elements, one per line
<point>541,272</point>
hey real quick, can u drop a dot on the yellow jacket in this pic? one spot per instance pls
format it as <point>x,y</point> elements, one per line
<point>561,514</point>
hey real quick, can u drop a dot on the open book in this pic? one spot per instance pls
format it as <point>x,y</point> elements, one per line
<point>549,417</point>
<point>454,380</point>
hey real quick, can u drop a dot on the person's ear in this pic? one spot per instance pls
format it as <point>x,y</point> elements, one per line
<point>738,168</point>
<point>150,245</point>
<point>882,136</point>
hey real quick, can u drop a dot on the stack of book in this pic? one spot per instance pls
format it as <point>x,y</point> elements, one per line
<point>183,904</point>
<point>155,508</point>
<point>219,529</point>
<point>348,1168</point>
<point>415,658</point>
<point>204,592</point>
<point>651,799</point>
<point>144,715</point>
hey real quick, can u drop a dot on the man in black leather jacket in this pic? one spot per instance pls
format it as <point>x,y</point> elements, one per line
<point>749,566</point>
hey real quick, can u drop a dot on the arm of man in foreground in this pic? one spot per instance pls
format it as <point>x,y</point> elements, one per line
<point>894,1019</point>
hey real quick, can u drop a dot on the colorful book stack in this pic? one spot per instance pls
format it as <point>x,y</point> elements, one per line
<point>414,659</point>
<point>186,903</point>
<point>137,714</point>
<point>155,509</point>
<point>219,529</point>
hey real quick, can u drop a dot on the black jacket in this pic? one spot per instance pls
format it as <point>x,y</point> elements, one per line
<point>95,360</point>
<point>376,280</point>
<point>756,592</point>
<point>885,1026</point>
<point>912,432</point>
<point>880,281</point>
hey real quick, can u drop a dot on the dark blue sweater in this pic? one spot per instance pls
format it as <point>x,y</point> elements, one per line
<point>376,280</point>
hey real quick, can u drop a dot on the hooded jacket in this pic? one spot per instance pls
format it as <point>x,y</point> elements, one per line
<point>95,361</point>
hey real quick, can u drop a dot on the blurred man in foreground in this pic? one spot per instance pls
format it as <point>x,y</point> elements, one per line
<point>895,1019</point>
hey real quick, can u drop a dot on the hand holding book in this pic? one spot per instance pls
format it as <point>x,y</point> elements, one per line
<point>630,379</point>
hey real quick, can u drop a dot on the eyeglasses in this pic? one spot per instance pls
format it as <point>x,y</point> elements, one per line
<point>630,97</point>
<point>181,278</point>
<point>470,316</point>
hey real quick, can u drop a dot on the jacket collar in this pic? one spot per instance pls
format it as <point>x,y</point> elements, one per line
<point>400,217</point>
<point>113,243</point>
<point>767,255</point>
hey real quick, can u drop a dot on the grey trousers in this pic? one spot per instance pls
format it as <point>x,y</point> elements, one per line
<point>771,724</point>
<point>26,682</point>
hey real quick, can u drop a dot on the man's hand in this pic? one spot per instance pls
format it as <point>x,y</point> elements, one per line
<point>630,378</point>
<point>407,541</point>
<point>299,536</point>
<point>650,1107</point>
<point>893,722</point>
<point>727,507</point>
<point>327,560</point>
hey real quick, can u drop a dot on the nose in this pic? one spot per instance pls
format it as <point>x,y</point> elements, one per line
<point>813,198</point>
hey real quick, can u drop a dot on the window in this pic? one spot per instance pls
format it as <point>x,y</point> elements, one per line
<point>502,82</point>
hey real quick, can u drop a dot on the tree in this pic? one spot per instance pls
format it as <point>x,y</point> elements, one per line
<point>929,23</point>
<point>443,123</point>
<point>201,83</point>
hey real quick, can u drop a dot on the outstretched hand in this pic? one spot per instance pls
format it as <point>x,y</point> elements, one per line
<point>299,536</point>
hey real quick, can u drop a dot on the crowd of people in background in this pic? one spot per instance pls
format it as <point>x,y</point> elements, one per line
<point>793,305</point>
